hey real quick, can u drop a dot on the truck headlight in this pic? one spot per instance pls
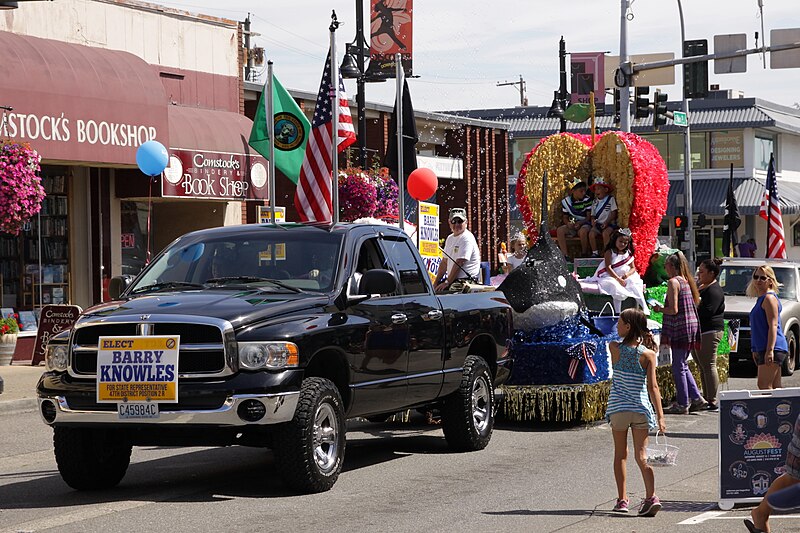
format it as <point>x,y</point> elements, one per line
<point>56,357</point>
<point>272,355</point>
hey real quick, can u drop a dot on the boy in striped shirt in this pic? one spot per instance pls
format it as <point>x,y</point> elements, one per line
<point>575,218</point>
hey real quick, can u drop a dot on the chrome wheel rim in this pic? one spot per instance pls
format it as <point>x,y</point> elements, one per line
<point>326,443</point>
<point>481,404</point>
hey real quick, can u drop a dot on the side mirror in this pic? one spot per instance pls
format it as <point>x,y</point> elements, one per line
<point>378,281</point>
<point>117,286</point>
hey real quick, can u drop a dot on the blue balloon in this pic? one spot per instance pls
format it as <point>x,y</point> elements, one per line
<point>152,158</point>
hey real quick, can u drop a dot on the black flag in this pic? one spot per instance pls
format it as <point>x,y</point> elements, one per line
<point>731,222</point>
<point>410,138</point>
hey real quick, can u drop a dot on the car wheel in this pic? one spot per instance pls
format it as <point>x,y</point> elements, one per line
<point>787,369</point>
<point>91,459</point>
<point>309,450</point>
<point>468,413</point>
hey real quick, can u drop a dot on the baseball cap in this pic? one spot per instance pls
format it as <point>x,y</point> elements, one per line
<point>458,213</point>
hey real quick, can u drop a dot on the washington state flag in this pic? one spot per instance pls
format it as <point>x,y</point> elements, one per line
<point>290,127</point>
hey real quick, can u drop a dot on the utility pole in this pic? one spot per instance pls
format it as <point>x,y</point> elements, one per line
<point>562,84</point>
<point>248,69</point>
<point>623,76</point>
<point>687,159</point>
<point>523,100</point>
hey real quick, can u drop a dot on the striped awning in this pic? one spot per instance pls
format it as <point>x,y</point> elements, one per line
<point>709,196</point>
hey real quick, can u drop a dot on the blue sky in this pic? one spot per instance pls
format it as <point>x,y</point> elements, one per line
<point>463,48</point>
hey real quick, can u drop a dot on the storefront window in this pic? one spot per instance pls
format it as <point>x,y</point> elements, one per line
<point>521,149</point>
<point>727,149</point>
<point>133,226</point>
<point>764,148</point>
<point>699,147</point>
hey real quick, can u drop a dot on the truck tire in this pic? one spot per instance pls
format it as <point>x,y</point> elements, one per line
<point>468,414</point>
<point>788,367</point>
<point>91,459</point>
<point>309,450</point>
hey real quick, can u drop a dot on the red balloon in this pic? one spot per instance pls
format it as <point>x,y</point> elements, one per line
<point>422,183</point>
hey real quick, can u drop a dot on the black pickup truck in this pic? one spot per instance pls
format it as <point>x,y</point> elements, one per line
<point>280,334</point>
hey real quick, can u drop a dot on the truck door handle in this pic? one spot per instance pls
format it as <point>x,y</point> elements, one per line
<point>399,318</point>
<point>435,314</point>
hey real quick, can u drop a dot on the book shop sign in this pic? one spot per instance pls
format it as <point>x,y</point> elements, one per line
<point>215,175</point>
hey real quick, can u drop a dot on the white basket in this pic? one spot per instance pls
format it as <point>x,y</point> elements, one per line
<point>661,453</point>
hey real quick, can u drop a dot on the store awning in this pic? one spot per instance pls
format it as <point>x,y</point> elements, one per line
<point>194,128</point>
<point>80,103</point>
<point>710,195</point>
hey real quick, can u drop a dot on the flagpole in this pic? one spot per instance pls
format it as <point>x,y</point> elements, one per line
<point>401,189</point>
<point>769,204</point>
<point>270,109</point>
<point>334,123</point>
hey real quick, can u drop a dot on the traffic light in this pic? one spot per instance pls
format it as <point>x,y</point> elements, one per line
<point>659,109</point>
<point>695,75</point>
<point>680,229</point>
<point>617,116</point>
<point>642,102</point>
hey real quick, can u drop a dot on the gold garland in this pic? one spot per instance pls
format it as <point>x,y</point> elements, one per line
<point>580,403</point>
<point>566,160</point>
<point>611,161</point>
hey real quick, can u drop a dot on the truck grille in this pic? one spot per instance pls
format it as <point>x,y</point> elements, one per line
<point>202,346</point>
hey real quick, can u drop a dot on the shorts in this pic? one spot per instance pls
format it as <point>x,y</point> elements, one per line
<point>779,355</point>
<point>623,420</point>
<point>596,227</point>
<point>572,232</point>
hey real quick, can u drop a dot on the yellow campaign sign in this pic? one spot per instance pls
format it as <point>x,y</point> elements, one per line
<point>429,230</point>
<point>137,369</point>
<point>265,214</point>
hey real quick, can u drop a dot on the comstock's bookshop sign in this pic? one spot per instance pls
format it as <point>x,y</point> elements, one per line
<point>215,176</point>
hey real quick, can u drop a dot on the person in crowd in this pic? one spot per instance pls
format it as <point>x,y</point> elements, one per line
<point>709,312</point>
<point>616,276</point>
<point>575,218</point>
<point>635,403</point>
<point>655,274</point>
<point>519,247</point>
<point>785,485</point>
<point>681,331</point>
<point>767,341</point>
<point>502,259</point>
<point>747,248</point>
<point>602,216</point>
<point>461,261</point>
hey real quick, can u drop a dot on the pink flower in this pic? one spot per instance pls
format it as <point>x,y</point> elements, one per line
<point>21,191</point>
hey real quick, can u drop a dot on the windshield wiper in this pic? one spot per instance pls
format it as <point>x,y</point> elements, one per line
<point>252,279</point>
<point>161,285</point>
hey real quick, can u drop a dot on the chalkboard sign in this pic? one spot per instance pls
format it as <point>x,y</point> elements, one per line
<point>52,320</point>
<point>755,428</point>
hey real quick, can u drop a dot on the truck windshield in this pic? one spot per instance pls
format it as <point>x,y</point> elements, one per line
<point>734,279</point>
<point>275,261</point>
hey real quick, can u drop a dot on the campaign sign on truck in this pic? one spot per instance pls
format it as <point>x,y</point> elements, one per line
<point>137,369</point>
<point>755,428</point>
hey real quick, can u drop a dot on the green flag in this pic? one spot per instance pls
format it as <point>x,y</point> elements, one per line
<point>577,113</point>
<point>291,129</point>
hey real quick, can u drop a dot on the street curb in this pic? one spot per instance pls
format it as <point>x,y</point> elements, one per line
<point>18,406</point>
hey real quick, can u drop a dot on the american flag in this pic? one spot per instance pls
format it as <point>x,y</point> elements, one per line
<point>771,212</point>
<point>313,195</point>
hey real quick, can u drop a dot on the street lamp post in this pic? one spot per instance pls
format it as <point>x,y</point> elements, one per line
<point>354,68</point>
<point>560,96</point>
<point>687,160</point>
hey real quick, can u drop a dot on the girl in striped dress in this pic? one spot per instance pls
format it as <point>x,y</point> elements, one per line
<point>634,394</point>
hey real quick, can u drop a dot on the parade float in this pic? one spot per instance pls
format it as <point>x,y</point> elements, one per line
<point>561,360</point>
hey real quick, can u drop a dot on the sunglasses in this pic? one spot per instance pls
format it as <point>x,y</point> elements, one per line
<point>760,278</point>
<point>456,221</point>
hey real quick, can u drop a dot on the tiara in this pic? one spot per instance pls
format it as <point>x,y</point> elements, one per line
<point>625,231</point>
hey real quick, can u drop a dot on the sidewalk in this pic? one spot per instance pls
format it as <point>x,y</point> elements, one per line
<point>19,388</point>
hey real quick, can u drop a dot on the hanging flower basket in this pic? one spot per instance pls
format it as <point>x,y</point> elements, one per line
<point>21,190</point>
<point>366,193</point>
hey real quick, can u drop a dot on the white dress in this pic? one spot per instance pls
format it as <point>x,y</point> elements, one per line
<point>603,283</point>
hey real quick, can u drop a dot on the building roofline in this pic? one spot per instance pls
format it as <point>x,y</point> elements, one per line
<point>178,13</point>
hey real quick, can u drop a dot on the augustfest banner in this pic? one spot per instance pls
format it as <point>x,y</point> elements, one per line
<point>137,369</point>
<point>429,237</point>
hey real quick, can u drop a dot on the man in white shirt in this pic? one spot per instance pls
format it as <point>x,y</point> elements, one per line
<point>462,259</point>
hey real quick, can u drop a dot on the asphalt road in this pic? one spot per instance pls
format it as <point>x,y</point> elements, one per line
<point>398,477</point>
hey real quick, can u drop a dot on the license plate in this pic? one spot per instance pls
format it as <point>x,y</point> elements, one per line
<point>137,410</point>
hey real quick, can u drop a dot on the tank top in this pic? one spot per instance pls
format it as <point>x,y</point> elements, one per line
<point>629,385</point>
<point>759,327</point>
<point>682,331</point>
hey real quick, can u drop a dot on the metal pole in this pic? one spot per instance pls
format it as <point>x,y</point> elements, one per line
<point>270,112</point>
<point>624,65</point>
<point>334,94</point>
<point>687,160</point>
<point>248,69</point>
<point>401,189</point>
<point>562,85</point>
<point>361,103</point>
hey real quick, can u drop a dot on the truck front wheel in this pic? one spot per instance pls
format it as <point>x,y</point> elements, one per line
<point>91,459</point>
<point>468,413</point>
<point>309,450</point>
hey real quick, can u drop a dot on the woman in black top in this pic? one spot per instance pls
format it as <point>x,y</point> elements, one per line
<point>709,311</point>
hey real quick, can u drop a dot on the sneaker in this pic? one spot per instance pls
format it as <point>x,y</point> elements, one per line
<point>712,406</point>
<point>677,409</point>
<point>621,506</point>
<point>698,405</point>
<point>650,507</point>
<point>595,254</point>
